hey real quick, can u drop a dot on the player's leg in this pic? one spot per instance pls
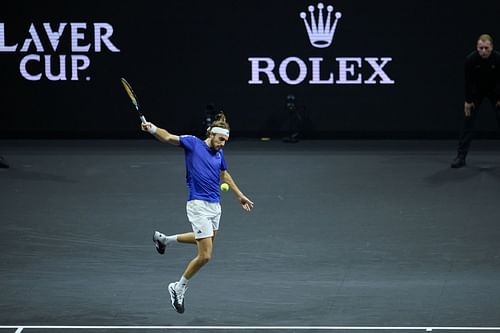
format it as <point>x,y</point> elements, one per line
<point>204,245</point>
<point>205,225</point>
<point>203,256</point>
<point>178,289</point>
<point>204,218</point>
<point>161,240</point>
<point>188,238</point>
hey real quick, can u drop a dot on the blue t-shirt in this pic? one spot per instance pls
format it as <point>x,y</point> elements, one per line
<point>203,168</point>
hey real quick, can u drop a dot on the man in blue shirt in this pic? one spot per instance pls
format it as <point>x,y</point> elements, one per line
<point>205,169</point>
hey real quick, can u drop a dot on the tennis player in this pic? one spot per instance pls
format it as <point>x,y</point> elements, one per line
<point>205,169</point>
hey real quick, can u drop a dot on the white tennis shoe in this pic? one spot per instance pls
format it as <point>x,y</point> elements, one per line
<point>158,238</point>
<point>177,296</point>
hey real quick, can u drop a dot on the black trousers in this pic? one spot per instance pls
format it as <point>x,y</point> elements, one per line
<point>468,128</point>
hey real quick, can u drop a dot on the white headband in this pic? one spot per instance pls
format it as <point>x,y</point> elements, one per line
<point>219,130</point>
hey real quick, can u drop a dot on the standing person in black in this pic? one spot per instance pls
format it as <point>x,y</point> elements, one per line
<point>482,80</point>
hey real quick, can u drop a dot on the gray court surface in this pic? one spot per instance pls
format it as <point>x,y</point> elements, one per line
<point>345,236</point>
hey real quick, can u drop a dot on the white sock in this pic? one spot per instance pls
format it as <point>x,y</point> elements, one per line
<point>183,282</point>
<point>166,240</point>
<point>170,239</point>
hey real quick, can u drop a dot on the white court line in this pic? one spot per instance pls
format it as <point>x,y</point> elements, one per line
<point>281,328</point>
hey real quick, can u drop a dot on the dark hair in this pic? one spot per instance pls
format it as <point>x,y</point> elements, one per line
<point>220,121</point>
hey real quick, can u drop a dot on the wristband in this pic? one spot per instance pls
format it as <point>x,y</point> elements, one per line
<point>152,129</point>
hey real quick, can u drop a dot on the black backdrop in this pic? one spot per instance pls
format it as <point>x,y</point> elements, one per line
<point>181,55</point>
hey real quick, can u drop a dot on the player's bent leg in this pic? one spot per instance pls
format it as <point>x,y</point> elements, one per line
<point>187,237</point>
<point>161,241</point>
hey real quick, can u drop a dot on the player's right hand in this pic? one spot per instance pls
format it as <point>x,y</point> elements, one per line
<point>146,126</point>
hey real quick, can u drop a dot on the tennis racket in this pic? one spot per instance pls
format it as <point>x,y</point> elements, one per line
<point>133,98</point>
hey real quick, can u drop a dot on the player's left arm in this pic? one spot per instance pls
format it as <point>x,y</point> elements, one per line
<point>246,203</point>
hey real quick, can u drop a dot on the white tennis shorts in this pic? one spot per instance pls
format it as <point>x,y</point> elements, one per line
<point>204,217</point>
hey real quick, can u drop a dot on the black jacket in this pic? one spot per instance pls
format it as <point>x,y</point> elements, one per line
<point>482,77</point>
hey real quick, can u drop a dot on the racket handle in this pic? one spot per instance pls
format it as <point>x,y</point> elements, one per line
<point>143,119</point>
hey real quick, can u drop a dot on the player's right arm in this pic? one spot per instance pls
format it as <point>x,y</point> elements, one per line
<point>161,134</point>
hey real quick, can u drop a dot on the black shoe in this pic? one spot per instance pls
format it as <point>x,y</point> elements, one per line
<point>177,298</point>
<point>3,163</point>
<point>160,247</point>
<point>458,162</point>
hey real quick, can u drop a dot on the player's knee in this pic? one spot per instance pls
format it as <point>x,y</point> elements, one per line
<point>204,258</point>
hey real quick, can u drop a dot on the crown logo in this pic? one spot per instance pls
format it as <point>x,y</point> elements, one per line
<point>321,32</point>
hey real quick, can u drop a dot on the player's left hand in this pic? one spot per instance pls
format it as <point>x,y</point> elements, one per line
<point>246,203</point>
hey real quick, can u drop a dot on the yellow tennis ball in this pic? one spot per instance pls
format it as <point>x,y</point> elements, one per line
<point>224,187</point>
